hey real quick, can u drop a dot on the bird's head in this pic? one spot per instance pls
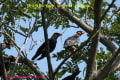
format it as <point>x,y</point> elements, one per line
<point>80,32</point>
<point>8,43</point>
<point>56,35</point>
<point>12,58</point>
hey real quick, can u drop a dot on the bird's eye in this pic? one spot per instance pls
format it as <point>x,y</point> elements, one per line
<point>79,32</point>
<point>55,35</point>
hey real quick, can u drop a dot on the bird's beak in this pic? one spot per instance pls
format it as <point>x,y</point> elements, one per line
<point>83,32</point>
<point>10,43</point>
<point>60,34</point>
<point>15,58</point>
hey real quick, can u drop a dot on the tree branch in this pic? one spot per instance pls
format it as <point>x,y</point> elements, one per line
<point>107,10</point>
<point>2,64</point>
<point>19,52</point>
<point>16,31</point>
<point>47,42</point>
<point>116,63</point>
<point>32,66</point>
<point>115,12</point>
<point>17,48</point>
<point>85,27</point>
<point>32,46</point>
<point>109,66</point>
<point>34,25</point>
<point>6,25</point>
<point>49,20</point>
<point>91,64</point>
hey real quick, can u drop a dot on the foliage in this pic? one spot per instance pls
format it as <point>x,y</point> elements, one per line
<point>13,11</point>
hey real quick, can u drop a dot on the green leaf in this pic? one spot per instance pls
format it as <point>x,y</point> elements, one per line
<point>23,29</point>
<point>59,74</point>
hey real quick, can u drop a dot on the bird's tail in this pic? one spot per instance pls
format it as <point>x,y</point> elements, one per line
<point>35,56</point>
<point>42,56</point>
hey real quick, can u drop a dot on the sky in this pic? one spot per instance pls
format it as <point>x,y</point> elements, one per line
<point>40,36</point>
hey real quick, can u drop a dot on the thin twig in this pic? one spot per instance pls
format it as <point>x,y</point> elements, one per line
<point>32,46</point>
<point>115,12</point>
<point>16,46</point>
<point>71,26</point>
<point>107,10</point>
<point>34,25</point>
<point>49,20</point>
<point>86,14</point>
<point>16,31</point>
<point>20,50</point>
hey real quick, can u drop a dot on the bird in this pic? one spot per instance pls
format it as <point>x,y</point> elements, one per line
<point>7,63</point>
<point>5,45</point>
<point>72,77</point>
<point>72,41</point>
<point>52,45</point>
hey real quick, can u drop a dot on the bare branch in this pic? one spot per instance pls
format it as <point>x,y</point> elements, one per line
<point>86,12</point>
<point>19,53</point>
<point>47,42</point>
<point>91,64</point>
<point>2,64</point>
<point>116,63</point>
<point>32,46</point>
<point>71,26</point>
<point>34,25</point>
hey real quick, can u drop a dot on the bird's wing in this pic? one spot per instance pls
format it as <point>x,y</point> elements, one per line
<point>41,57</point>
<point>39,50</point>
<point>71,41</point>
<point>68,78</point>
<point>52,45</point>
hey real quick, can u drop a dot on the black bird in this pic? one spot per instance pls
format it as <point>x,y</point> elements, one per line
<point>52,45</point>
<point>72,41</point>
<point>7,63</point>
<point>5,45</point>
<point>72,77</point>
